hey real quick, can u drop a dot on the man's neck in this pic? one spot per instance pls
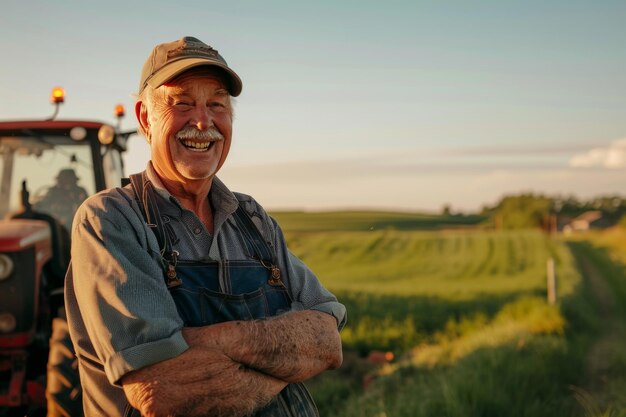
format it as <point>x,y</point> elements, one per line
<point>193,195</point>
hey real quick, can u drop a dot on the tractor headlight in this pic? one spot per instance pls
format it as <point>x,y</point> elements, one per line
<point>106,134</point>
<point>6,266</point>
<point>7,322</point>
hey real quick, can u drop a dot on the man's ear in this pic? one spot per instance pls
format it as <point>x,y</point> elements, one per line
<point>141,111</point>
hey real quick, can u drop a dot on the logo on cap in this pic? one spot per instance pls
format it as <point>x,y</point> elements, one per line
<point>187,49</point>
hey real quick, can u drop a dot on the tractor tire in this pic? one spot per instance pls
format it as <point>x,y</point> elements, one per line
<point>63,391</point>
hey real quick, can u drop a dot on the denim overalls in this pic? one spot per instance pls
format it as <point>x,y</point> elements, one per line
<point>212,292</point>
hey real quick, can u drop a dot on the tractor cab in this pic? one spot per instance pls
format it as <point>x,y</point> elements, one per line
<point>57,163</point>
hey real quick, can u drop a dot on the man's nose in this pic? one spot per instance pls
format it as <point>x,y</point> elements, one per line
<point>202,118</point>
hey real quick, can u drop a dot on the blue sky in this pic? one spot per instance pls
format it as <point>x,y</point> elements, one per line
<point>360,104</point>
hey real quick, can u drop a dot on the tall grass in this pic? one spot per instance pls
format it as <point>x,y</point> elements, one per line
<point>512,379</point>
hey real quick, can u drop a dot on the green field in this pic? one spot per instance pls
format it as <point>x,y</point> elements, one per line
<point>464,312</point>
<point>298,221</point>
<point>450,264</point>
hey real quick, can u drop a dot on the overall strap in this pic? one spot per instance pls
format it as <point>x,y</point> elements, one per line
<point>146,199</point>
<point>260,247</point>
<point>252,235</point>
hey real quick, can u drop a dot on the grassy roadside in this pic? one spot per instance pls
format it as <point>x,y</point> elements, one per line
<point>604,255</point>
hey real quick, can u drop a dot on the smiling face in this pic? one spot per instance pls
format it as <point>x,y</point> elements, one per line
<point>188,122</point>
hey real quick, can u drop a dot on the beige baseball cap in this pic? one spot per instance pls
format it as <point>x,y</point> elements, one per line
<point>170,59</point>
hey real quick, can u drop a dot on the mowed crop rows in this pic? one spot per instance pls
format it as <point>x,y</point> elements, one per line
<point>402,287</point>
<point>450,264</point>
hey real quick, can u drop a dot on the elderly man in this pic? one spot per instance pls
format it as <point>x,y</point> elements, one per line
<point>182,298</point>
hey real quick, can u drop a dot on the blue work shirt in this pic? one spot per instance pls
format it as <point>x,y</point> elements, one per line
<point>120,312</point>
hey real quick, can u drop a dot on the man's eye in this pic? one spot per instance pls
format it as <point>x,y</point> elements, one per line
<point>182,103</point>
<point>217,105</point>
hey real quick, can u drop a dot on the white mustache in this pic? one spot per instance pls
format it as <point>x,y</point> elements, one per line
<point>211,134</point>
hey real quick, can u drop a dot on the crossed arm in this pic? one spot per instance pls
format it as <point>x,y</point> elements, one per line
<point>233,368</point>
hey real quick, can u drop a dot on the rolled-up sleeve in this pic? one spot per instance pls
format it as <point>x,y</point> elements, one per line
<point>117,285</point>
<point>309,294</point>
<point>307,291</point>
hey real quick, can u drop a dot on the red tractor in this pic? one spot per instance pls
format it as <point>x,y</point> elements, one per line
<point>47,168</point>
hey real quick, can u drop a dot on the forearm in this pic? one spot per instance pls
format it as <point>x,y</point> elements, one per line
<point>202,381</point>
<point>292,347</point>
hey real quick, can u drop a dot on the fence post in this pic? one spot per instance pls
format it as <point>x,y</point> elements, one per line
<point>551,281</point>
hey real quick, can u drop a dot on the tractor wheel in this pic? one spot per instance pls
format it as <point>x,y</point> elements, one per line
<point>63,390</point>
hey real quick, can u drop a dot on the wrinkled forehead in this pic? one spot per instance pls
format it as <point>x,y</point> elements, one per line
<point>186,83</point>
<point>200,74</point>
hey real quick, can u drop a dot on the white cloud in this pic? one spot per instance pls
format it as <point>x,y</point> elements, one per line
<point>611,157</point>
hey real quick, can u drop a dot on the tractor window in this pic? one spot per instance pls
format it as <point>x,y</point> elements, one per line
<point>112,166</point>
<point>57,173</point>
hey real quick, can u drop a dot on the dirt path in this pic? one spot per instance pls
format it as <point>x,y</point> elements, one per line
<point>603,351</point>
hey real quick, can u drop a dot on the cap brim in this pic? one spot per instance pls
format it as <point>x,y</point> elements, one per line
<point>175,68</point>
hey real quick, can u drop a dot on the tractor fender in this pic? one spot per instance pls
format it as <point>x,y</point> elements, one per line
<point>19,234</point>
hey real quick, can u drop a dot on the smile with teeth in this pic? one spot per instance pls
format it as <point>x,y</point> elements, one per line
<point>197,146</point>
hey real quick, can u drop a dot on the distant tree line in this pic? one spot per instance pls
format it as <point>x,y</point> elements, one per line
<point>530,210</point>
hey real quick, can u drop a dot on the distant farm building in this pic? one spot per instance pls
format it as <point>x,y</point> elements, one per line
<point>586,221</point>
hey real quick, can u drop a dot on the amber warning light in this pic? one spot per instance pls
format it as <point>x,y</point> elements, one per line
<point>58,95</point>
<point>119,110</point>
